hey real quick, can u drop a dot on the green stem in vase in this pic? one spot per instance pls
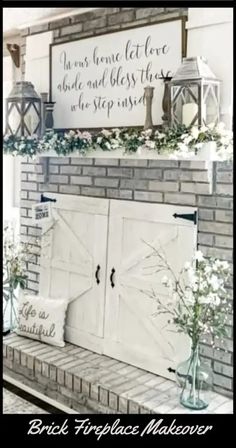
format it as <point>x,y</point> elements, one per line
<point>186,378</point>
<point>194,375</point>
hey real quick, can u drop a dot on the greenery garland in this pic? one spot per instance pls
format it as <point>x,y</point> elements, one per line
<point>177,141</point>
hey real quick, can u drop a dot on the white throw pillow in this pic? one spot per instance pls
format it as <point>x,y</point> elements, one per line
<point>42,319</point>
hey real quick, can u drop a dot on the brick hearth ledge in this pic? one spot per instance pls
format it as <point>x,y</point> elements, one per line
<point>90,383</point>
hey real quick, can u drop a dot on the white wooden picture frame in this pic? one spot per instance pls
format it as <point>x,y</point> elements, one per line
<point>98,82</point>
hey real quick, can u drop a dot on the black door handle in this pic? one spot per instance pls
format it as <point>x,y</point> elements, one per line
<point>112,277</point>
<point>97,274</point>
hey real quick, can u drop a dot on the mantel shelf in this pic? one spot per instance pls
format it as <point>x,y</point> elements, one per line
<point>120,154</point>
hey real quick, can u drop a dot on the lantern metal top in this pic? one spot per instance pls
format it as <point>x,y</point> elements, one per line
<point>23,90</point>
<point>193,69</point>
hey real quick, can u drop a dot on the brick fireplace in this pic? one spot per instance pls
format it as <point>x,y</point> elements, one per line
<point>205,185</point>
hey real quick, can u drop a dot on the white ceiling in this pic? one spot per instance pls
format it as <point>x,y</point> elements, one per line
<point>16,18</point>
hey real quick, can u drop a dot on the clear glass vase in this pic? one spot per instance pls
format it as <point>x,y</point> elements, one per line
<point>195,379</point>
<point>9,310</point>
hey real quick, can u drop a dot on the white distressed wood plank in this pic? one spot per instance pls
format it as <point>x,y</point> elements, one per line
<point>132,334</point>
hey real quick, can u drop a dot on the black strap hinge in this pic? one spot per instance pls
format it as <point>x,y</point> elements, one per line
<point>188,216</point>
<point>45,199</point>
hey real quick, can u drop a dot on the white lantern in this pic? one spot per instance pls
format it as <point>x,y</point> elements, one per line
<point>23,110</point>
<point>194,94</point>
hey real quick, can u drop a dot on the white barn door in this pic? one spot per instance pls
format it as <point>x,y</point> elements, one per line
<point>133,333</point>
<point>73,265</point>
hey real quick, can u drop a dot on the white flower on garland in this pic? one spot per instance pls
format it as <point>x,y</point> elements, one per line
<point>194,132</point>
<point>116,131</point>
<point>160,135</point>
<point>114,143</point>
<point>146,134</point>
<point>87,136</point>
<point>106,133</point>
<point>199,255</point>
<point>150,144</point>
<point>188,139</point>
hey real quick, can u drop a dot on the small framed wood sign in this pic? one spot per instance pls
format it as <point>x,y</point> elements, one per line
<point>41,212</point>
<point>98,82</point>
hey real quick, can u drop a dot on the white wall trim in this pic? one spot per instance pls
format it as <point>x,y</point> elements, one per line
<point>190,25</point>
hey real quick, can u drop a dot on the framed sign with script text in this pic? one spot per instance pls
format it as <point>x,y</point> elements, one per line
<point>99,81</point>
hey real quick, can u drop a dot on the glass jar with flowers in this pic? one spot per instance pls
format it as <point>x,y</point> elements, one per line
<point>198,306</point>
<point>15,255</point>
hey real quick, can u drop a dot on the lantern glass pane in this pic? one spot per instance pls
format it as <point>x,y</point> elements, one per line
<point>14,119</point>
<point>31,119</point>
<point>177,102</point>
<point>190,105</point>
<point>210,96</point>
<point>185,104</point>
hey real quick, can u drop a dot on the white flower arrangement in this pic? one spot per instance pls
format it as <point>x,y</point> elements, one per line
<point>198,303</point>
<point>15,256</point>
